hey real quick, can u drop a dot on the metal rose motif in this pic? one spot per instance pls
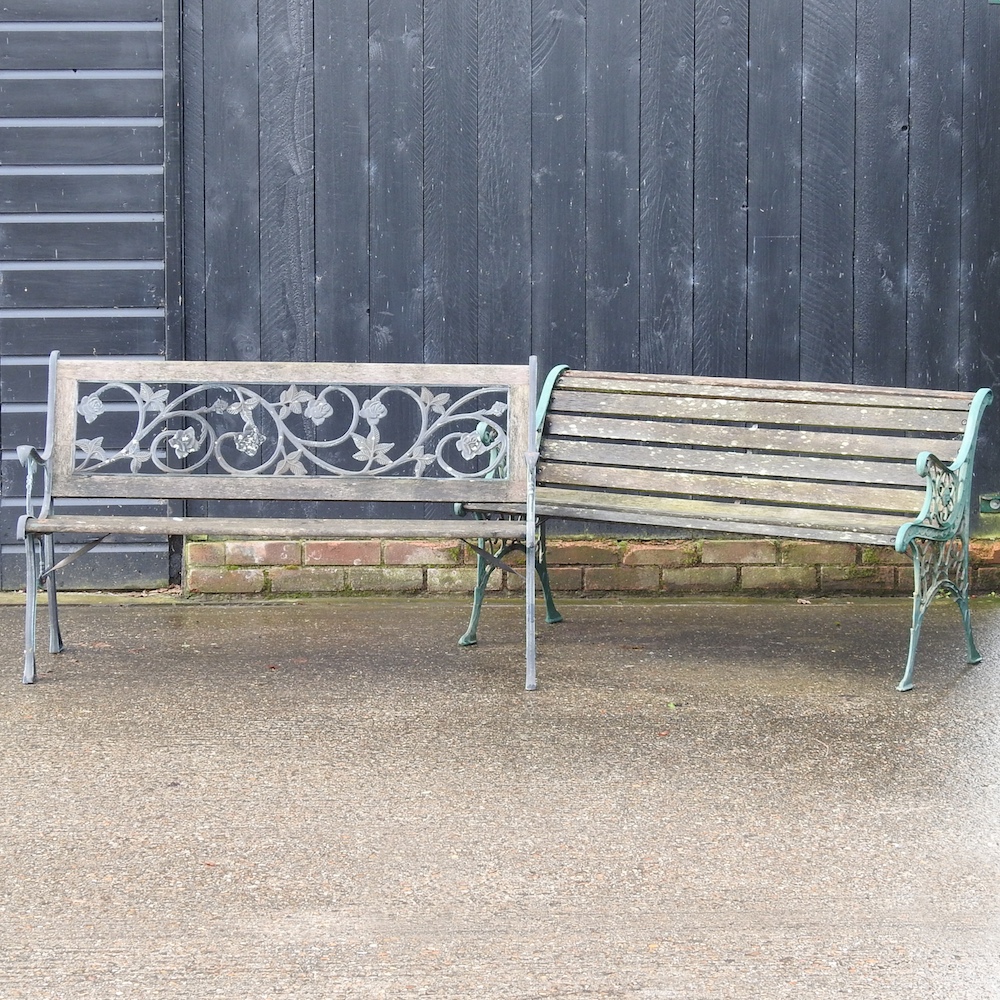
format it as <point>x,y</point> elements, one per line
<point>295,430</point>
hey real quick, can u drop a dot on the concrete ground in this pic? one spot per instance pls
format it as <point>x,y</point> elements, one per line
<point>330,799</point>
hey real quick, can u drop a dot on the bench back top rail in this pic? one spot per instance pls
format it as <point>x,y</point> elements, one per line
<point>807,445</point>
<point>286,430</point>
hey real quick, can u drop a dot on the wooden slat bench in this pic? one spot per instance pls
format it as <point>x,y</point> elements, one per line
<point>872,465</point>
<point>243,431</point>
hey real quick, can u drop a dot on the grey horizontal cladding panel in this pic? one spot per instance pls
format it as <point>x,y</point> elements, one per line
<point>31,241</point>
<point>801,493</point>
<point>773,389</point>
<point>773,412</point>
<point>81,98</point>
<point>67,192</point>
<point>23,384</point>
<point>104,568</point>
<point>560,425</point>
<point>740,463</point>
<point>75,334</point>
<point>279,527</point>
<point>783,521</point>
<point>80,50</point>
<point>88,11</point>
<point>105,288</point>
<point>84,144</point>
<point>19,427</point>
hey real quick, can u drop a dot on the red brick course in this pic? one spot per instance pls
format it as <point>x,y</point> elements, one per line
<point>576,566</point>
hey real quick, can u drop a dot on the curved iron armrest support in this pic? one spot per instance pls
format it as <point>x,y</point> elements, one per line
<point>34,461</point>
<point>945,513</point>
<point>545,398</point>
<point>938,540</point>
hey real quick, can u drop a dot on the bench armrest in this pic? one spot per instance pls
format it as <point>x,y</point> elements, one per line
<point>35,461</point>
<point>945,513</point>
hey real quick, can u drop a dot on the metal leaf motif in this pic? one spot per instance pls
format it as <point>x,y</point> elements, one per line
<point>295,430</point>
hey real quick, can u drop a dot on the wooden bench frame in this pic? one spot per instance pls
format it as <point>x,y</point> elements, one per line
<point>194,430</point>
<point>799,460</point>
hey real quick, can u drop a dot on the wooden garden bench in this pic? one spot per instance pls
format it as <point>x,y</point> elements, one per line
<point>288,432</point>
<point>844,463</point>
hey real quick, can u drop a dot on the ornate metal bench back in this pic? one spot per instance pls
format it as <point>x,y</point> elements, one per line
<point>285,430</point>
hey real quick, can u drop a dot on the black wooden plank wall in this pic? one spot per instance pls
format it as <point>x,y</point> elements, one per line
<point>84,138</point>
<point>786,188</point>
<point>775,189</point>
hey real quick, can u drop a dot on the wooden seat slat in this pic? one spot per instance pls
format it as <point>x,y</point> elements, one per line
<point>208,431</point>
<point>859,464</point>
<point>272,527</point>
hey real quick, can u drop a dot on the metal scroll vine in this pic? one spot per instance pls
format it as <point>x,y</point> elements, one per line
<point>275,440</point>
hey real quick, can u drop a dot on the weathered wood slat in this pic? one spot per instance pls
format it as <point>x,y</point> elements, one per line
<point>561,425</point>
<point>284,487</point>
<point>264,527</point>
<point>289,372</point>
<point>627,456</point>
<point>761,411</point>
<point>775,389</point>
<point>799,492</point>
<point>715,516</point>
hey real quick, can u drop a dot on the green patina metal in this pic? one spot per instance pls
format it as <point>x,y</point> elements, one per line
<point>938,540</point>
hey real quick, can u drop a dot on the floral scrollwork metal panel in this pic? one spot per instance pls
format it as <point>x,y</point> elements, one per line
<point>292,430</point>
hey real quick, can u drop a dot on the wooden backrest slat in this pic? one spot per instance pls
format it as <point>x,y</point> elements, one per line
<point>560,426</point>
<point>731,388</point>
<point>815,467</point>
<point>714,409</point>
<point>802,493</point>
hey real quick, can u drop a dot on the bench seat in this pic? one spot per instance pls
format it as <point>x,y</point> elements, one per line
<point>870,465</point>
<point>228,435</point>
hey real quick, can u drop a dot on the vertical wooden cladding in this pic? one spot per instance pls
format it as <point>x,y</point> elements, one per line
<point>980,287</point>
<point>396,170</point>
<point>881,195</point>
<point>504,164</point>
<point>934,244</point>
<point>232,171</point>
<point>342,190</point>
<point>720,186</point>
<point>451,180</point>
<point>287,209</point>
<point>666,206</point>
<point>612,190</point>
<point>558,173</point>
<point>774,211</point>
<point>828,164</point>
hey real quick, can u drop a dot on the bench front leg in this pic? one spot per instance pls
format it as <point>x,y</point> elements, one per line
<point>938,565</point>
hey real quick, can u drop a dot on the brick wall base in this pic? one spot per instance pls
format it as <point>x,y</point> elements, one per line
<point>577,566</point>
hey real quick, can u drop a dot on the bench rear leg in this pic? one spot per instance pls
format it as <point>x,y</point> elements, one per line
<point>483,573</point>
<point>55,635</point>
<point>552,615</point>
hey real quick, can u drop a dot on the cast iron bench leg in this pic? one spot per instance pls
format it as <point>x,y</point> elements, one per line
<point>55,636</point>
<point>939,566</point>
<point>32,573</point>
